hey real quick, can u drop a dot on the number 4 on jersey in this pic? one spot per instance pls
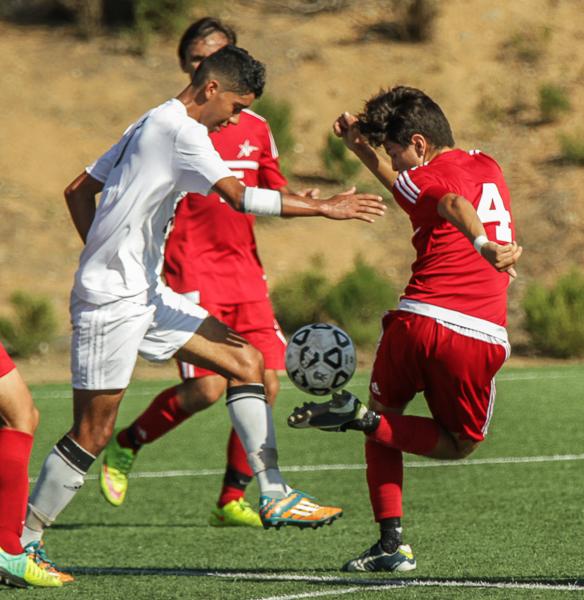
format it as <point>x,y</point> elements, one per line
<point>491,209</point>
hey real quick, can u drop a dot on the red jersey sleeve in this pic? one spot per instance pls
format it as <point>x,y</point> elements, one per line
<point>418,193</point>
<point>269,174</point>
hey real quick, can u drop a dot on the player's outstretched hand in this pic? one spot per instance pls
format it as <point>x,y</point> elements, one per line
<point>347,127</point>
<point>349,205</point>
<point>503,258</point>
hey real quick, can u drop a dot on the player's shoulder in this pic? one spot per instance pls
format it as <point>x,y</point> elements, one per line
<point>411,182</point>
<point>482,157</point>
<point>252,120</point>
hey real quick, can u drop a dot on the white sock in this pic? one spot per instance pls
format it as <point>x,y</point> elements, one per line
<point>251,417</point>
<point>61,476</point>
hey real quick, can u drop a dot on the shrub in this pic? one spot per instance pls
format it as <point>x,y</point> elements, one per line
<point>337,160</point>
<point>299,299</point>
<point>358,301</point>
<point>572,149</point>
<point>278,113</point>
<point>33,327</point>
<point>529,45</point>
<point>553,101</point>
<point>418,19</point>
<point>554,316</point>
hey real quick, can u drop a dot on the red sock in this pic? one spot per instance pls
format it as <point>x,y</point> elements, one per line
<point>385,479</point>
<point>163,414</point>
<point>15,448</point>
<point>238,474</point>
<point>416,435</point>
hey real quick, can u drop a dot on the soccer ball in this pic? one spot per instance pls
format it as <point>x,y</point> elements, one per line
<point>320,358</point>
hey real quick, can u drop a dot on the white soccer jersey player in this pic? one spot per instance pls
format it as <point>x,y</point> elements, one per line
<point>119,307</point>
<point>160,156</point>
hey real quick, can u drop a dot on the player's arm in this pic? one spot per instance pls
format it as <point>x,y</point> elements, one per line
<point>461,213</point>
<point>347,128</point>
<point>259,201</point>
<point>80,196</point>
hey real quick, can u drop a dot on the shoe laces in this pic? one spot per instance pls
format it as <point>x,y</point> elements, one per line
<point>124,460</point>
<point>245,505</point>
<point>39,555</point>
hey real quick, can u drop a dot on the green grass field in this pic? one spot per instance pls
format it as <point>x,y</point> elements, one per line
<point>492,519</point>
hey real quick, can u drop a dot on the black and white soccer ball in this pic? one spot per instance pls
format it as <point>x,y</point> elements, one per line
<point>320,358</point>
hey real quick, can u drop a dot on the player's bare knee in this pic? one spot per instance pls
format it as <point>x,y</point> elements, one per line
<point>464,448</point>
<point>250,365</point>
<point>196,395</point>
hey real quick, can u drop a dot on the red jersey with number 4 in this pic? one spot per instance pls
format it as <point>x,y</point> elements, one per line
<point>448,272</point>
<point>211,248</point>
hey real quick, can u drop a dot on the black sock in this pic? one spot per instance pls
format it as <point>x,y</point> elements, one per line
<point>390,534</point>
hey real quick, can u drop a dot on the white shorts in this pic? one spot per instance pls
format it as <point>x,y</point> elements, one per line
<point>108,338</point>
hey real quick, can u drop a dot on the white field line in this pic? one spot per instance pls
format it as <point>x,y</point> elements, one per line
<point>421,464</point>
<point>357,584</point>
<point>396,583</point>
<point>288,386</point>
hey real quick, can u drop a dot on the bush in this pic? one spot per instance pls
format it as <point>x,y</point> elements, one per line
<point>358,301</point>
<point>33,327</point>
<point>299,299</point>
<point>553,101</point>
<point>529,45</point>
<point>337,160</point>
<point>278,113</point>
<point>572,149</point>
<point>554,316</point>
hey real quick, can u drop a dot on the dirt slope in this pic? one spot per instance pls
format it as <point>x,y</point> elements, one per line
<point>64,101</point>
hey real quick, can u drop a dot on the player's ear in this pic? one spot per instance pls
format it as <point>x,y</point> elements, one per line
<point>420,144</point>
<point>211,88</point>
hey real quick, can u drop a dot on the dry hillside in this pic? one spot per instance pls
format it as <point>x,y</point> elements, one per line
<point>65,100</point>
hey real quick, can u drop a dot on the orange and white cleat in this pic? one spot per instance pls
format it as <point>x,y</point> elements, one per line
<point>297,509</point>
<point>37,551</point>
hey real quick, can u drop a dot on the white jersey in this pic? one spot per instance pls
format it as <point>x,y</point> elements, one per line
<point>162,155</point>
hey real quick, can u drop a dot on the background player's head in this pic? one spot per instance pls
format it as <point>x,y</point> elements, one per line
<point>408,124</point>
<point>225,83</point>
<point>201,39</point>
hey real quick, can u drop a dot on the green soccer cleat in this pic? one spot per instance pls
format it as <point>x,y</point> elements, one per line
<point>376,559</point>
<point>113,477</point>
<point>20,570</point>
<point>333,415</point>
<point>237,513</point>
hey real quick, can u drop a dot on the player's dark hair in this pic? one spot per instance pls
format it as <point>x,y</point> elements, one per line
<point>235,68</point>
<point>395,115</point>
<point>201,29</point>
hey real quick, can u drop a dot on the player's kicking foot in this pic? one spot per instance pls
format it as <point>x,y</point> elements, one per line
<point>37,551</point>
<point>376,559</point>
<point>21,570</point>
<point>297,510</point>
<point>344,411</point>
<point>113,477</point>
<point>237,513</point>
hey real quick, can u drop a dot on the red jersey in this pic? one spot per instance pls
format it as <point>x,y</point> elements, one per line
<point>211,248</point>
<point>448,272</point>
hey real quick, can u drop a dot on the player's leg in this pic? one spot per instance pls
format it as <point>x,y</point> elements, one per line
<point>18,421</point>
<point>257,323</point>
<point>232,509</point>
<point>103,353</point>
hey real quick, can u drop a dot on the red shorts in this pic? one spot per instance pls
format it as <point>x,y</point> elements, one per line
<point>256,322</point>
<point>6,364</point>
<point>455,372</point>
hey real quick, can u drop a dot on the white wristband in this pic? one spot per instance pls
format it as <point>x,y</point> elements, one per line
<point>479,242</point>
<point>259,201</point>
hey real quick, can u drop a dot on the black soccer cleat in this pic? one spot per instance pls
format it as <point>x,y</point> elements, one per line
<point>333,415</point>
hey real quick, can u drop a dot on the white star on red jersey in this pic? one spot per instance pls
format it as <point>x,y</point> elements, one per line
<point>246,149</point>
